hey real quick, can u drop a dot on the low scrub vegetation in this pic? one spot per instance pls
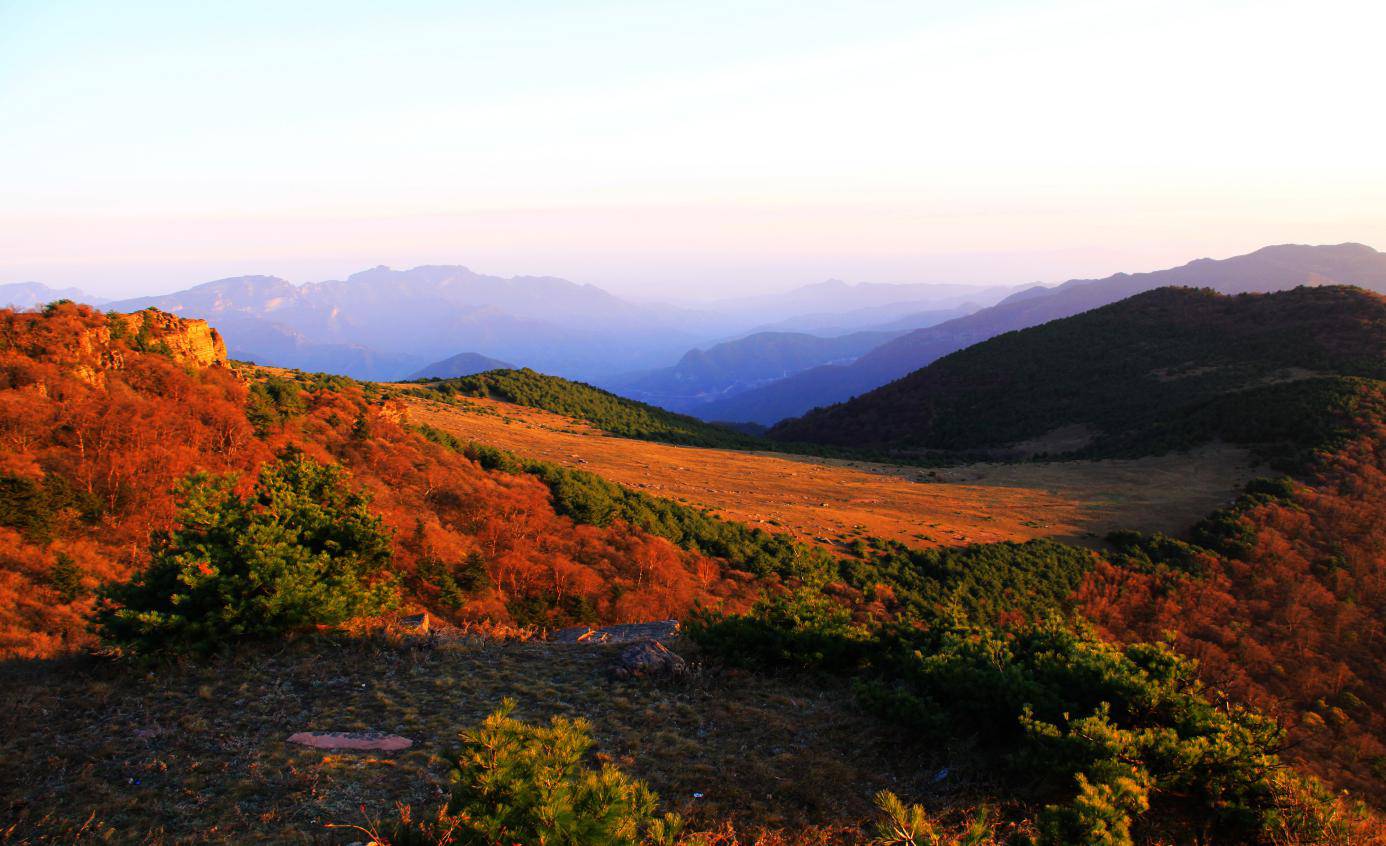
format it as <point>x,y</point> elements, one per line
<point>514,782</point>
<point>1093,734</point>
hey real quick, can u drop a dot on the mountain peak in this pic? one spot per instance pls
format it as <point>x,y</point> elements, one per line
<point>1345,248</point>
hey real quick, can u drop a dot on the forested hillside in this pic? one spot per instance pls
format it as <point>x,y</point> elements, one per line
<point>99,424</point>
<point>1168,368</point>
<point>605,410</point>
<point>1281,597</point>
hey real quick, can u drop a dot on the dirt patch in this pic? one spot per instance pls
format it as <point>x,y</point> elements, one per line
<point>831,501</point>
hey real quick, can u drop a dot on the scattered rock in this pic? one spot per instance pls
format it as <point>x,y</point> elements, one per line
<point>615,635</point>
<point>649,659</point>
<point>355,740</point>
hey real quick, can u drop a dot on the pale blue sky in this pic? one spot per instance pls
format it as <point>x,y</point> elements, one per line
<point>674,148</point>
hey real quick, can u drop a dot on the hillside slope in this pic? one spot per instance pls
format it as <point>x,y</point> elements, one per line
<point>1269,269</point>
<point>1159,366</point>
<point>603,409</point>
<point>833,501</point>
<point>101,418</point>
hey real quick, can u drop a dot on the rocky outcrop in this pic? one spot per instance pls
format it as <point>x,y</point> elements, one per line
<point>188,341</point>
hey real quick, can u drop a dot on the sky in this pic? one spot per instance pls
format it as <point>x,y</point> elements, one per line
<point>680,150</point>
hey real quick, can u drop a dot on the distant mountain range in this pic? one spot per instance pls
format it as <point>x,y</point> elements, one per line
<point>1163,369</point>
<point>1268,269</point>
<point>387,324</point>
<point>705,375</point>
<point>27,295</point>
<point>462,364</point>
<point>756,359</point>
<point>383,323</point>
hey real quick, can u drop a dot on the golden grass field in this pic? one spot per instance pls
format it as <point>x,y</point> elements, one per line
<point>831,500</point>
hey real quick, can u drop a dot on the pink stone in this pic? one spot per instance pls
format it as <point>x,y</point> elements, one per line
<point>372,740</point>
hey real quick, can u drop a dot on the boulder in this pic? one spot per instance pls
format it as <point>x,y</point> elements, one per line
<point>650,659</point>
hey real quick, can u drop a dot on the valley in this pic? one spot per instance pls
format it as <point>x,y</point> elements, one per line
<point>830,501</point>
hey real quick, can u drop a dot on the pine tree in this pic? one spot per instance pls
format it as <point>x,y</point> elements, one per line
<point>302,549</point>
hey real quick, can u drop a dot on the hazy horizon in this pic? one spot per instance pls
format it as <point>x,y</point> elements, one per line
<point>982,272</point>
<point>662,152</point>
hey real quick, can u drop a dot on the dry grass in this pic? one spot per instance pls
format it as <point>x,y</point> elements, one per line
<point>197,752</point>
<point>831,501</point>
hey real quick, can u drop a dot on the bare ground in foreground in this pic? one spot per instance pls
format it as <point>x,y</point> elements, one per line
<point>97,751</point>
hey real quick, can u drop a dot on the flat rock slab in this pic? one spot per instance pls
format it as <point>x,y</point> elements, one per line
<point>625,633</point>
<point>360,740</point>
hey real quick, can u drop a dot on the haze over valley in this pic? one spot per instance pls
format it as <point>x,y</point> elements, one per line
<point>757,359</point>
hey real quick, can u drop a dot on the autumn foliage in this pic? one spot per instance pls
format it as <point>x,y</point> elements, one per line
<point>1281,600</point>
<point>1292,618</point>
<point>99,427</point>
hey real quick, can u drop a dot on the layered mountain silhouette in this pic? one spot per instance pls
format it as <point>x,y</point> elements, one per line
<point>1165,368</point>
<point>384,323</point>
<point>1269,269</point>
<point>704,375</point>
<point>387,324</point>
